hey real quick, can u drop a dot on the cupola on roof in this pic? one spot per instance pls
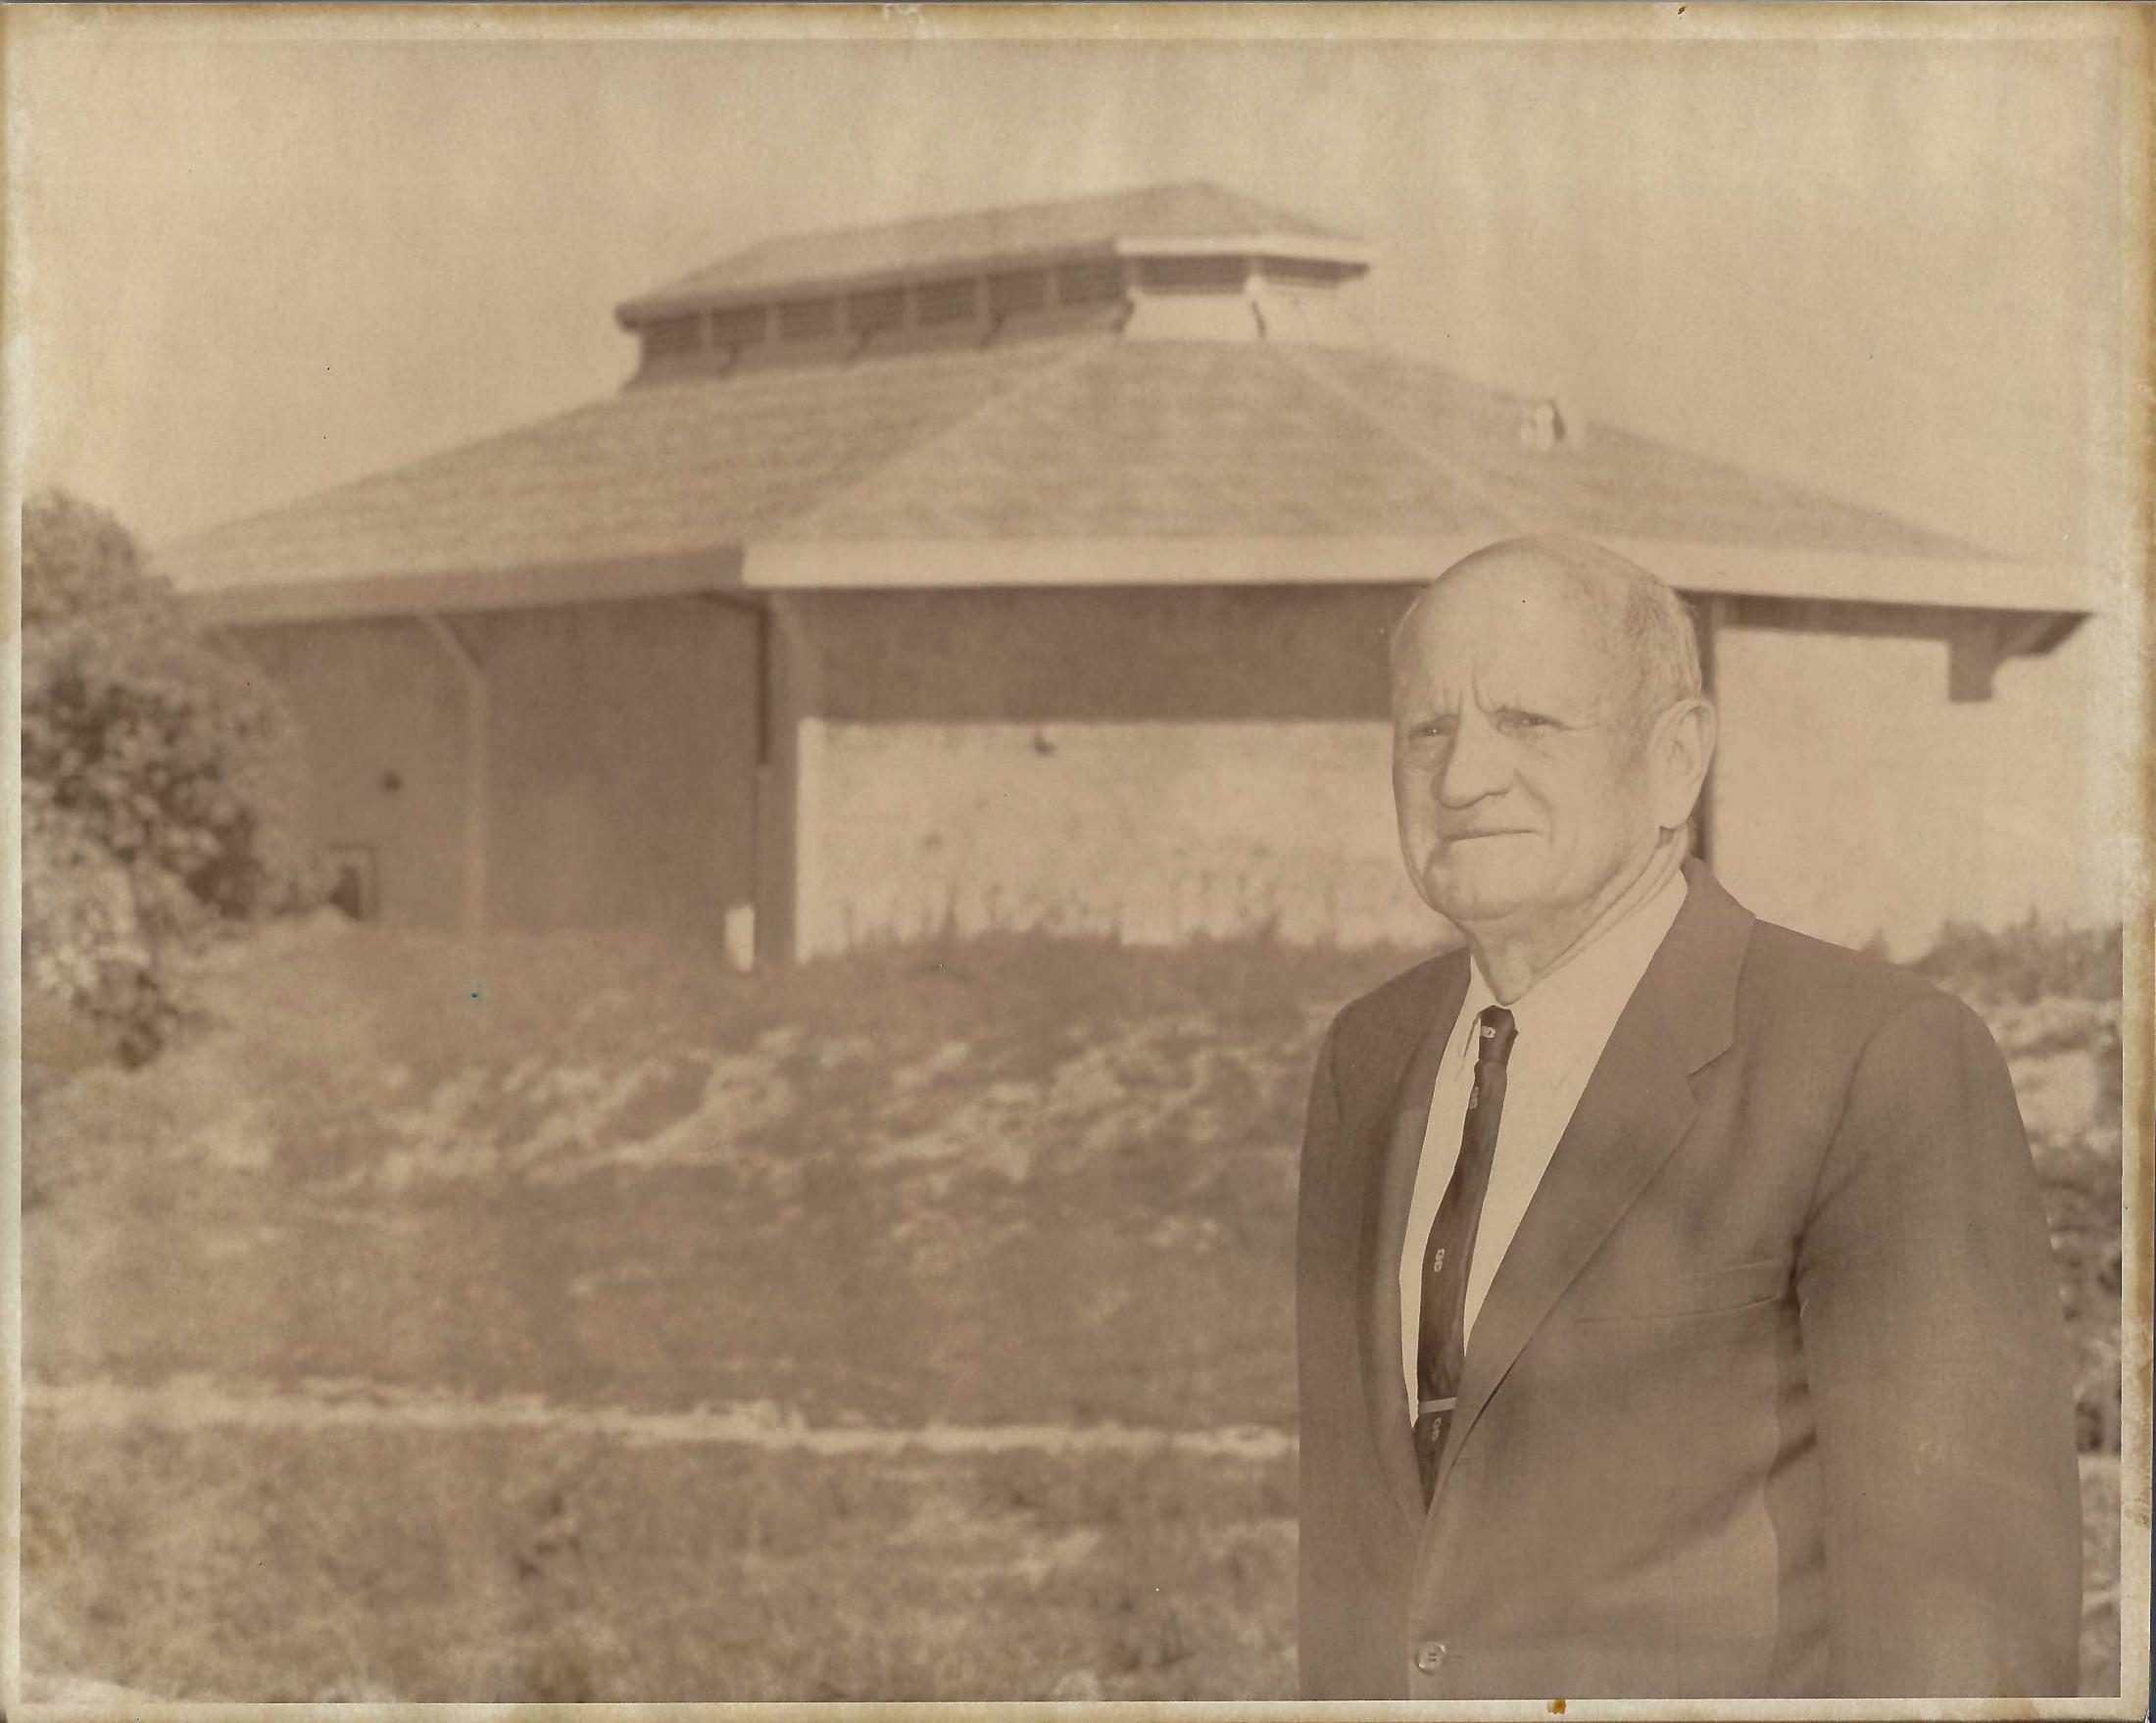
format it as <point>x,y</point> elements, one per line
<point>1186,262</point>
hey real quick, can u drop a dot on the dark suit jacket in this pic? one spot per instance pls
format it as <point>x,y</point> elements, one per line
<point>1771,1393</point>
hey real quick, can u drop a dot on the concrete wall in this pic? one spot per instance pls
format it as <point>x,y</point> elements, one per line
<point>382,711</point>
<point>1155,831</point>
<point>624,762</point>
<point>623,749</point>
<point>1162,764</point>
<point>1158,763</point>
<point>1855,800</point>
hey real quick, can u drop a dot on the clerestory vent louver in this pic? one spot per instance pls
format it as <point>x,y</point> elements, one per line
<point>949,301</point>
<point>808,319</point>
<point>878,309</point>
<point>740,325</point>
<point>1193,274</point>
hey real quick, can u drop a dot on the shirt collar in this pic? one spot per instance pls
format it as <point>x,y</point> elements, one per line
<point>1598,979</point>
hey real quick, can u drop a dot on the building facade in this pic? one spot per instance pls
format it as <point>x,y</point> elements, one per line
<point>1033,569</point>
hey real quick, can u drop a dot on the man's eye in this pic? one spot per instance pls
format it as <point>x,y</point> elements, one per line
<point>1526,724</point>
<point>1434,729</point>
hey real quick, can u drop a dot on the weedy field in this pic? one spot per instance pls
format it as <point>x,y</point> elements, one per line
<point>566,1317</point>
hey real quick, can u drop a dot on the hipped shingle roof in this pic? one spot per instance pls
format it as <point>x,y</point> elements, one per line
<point>1078,436</point>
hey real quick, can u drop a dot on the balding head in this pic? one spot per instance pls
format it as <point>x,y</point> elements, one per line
<point>1549,738</point>
<point>1653,660</point>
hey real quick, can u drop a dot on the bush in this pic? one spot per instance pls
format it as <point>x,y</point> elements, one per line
<point>2032,959</point>
<point>163,782</point>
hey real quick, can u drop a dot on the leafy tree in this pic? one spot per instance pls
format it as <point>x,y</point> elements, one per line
<point>163,780</point>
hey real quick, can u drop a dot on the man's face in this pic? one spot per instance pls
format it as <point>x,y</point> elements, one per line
<point>1520,779</point>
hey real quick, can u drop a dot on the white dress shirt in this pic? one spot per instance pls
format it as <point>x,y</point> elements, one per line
<point>1563,1023</point>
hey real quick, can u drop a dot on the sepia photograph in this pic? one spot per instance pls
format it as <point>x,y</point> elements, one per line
<point>1059,855</point>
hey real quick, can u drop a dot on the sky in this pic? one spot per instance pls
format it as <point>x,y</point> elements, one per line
<point>253,261</point>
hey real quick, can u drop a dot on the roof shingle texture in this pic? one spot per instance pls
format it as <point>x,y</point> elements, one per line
<point>1071,437</point>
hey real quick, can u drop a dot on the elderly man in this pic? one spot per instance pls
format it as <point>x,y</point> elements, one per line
<point>1674,1310</point>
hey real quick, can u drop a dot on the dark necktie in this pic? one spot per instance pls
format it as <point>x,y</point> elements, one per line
<point>1451,1251</point>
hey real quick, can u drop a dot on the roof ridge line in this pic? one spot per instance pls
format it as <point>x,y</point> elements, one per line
<point>1081,347</point>
<point>1448,465</point>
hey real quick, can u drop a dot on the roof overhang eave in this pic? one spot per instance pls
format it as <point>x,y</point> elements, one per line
<point>1353,255</point>
<point>256,604</point>
<point>667,302</point>
<point>2042,604</point>
<point>1770,573</point>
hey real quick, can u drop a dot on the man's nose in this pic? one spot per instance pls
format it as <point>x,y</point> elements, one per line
<point>1476,764</point>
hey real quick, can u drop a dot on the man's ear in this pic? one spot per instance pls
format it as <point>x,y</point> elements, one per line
<point>1679,752</point>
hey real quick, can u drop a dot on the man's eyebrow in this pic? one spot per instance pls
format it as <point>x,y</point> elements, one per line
<point>1553,704</point>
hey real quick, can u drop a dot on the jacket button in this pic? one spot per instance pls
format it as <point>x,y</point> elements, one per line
<point>1429,1655</point>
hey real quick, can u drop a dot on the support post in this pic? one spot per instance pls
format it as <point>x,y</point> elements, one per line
<point>479,768</point>
<point>1709,611</point>
<point>753,935</point>
<point>787,797</point>
<point>1978,642</point>
<point>1972,653</point>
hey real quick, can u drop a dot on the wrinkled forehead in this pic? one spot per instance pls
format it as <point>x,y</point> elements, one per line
<point>1509,635</point>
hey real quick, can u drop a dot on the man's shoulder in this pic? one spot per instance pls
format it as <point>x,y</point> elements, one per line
<point>1846,995</point>
<point>1782,957</point>
<point>1379,1028</point>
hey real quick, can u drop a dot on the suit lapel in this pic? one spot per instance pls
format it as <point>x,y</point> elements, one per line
<point>1393,1156</point>
<point>1636,1107</point>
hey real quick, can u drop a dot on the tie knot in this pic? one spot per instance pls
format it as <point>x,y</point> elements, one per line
<point>1495,1034</point>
